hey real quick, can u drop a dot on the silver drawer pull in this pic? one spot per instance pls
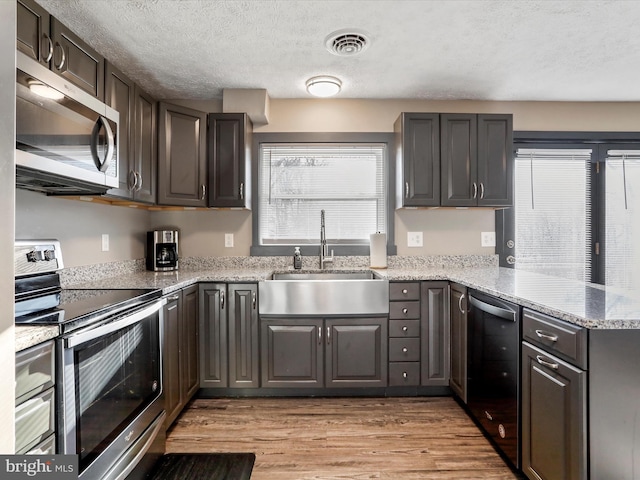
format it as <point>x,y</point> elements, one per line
<point>404,375</point>
<point>405,291</point>
<point>541,360</point>
<point>404,329</point>
<point>405,310</point>
<point>405,349</point>
<point>547,336</point>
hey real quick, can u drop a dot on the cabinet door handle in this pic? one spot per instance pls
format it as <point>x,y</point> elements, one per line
<point>62,60</point>
<point>221,299</point>
<point>405,310</point>
<point>405,349</point>
<point>542,361</point>
<point>138,181</point>
<point>204,191</point>
<point>132,180</point>
<point>47,59</point>
<point>242,191</point>
<point>406,189</point>
<point>404,329</point>
<point>404,375</point>
<point>173,298</point>
<point>546,336</point>
<point>405,291</point>
<point>328,335</point>
<point>319,335</point>
<point>460,304</point>
<point>481,190</point>
<point>254,300</point>
<point>475,190</point>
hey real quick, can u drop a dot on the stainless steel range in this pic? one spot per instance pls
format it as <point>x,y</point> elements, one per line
<point>110,405</point>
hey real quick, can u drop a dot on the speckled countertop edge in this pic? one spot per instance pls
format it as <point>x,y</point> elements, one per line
<point>590,306</point>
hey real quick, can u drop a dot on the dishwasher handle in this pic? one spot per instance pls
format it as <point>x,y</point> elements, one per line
<point>503,313</point>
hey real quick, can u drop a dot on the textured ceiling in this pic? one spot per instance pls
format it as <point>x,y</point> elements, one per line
<point>568,50</point>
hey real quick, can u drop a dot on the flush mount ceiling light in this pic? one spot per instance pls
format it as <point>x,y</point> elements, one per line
<point>323,86</point>
<point>45,91</point>
<point>347,43</point>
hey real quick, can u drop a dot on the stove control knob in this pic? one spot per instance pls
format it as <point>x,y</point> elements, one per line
<point>49,255</point>
<point>34,256</point>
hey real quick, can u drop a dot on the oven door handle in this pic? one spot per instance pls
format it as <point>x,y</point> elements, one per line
<point>493,309</point>
<point>92,333</point>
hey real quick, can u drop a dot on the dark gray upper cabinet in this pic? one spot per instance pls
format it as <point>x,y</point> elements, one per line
<point>76,61</point>
<point>182,160</point>
<point>51,43</point>
<point>434,333</point>
<point>229,160</point>
<point>476,160</point>
<point>459,159</point>
<point>137,158</point>
<point>417,137</point>
<point>495,160</point>
<point>33,31</point>
<point>145,156</point>
<point>119,95</point>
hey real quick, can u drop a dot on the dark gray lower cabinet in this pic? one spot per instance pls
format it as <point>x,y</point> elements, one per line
<point>180,353</point>
<point>229,335</point>
<point>458,327</point>
<point>315,353</point>
<point>553,417</point>
<point>291,352</point>
<point>434,333</point>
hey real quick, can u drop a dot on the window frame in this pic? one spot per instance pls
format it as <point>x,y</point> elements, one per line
<point>599,142</point>
<point>318,138</point>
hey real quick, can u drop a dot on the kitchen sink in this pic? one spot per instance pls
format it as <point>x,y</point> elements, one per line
<point>324,293</point>
<point>327,275</point>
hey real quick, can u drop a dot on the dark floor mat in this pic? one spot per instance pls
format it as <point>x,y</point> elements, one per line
<point>204,466</point>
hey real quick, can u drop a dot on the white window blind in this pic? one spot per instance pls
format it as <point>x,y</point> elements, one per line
<point>297,181</point>
<point>553,211</point>
<point>622,219</point>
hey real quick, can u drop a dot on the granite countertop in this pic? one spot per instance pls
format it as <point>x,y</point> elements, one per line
<point>588,305</point>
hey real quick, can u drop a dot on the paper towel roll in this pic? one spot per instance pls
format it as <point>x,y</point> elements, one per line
<point>378,250</point>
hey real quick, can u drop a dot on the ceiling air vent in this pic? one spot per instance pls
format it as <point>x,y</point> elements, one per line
<point>347,43</point>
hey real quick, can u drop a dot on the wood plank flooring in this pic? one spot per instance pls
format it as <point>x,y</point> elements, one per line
<point>342,438</point>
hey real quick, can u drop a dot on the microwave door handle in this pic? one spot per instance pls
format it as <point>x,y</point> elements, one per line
<point>102,122</point>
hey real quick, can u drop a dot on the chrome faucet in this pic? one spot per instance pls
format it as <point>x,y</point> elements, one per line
<point>324,248</point>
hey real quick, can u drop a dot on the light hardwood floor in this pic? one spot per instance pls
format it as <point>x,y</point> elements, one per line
<point>342,438</point>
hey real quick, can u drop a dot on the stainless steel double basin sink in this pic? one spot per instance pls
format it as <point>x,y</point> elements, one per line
<point>324,293</point>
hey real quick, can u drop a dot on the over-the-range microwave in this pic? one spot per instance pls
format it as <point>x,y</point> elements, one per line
<point>66,140</point>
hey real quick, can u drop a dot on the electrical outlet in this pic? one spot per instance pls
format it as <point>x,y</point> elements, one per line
<point>414,239</point>
<point>105,242</point>
<point>228,240</point>
<point>488,239</point>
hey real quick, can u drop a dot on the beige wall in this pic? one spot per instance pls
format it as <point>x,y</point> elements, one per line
<point>445,231</point>
<point>79,227</point>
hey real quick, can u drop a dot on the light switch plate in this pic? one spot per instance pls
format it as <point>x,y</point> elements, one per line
<point>105,242</point>
<point>228,240</point>
<point>414,239</point>
<point>488,239</point>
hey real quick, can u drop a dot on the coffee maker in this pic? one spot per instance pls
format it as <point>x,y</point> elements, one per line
<point>162,250</point>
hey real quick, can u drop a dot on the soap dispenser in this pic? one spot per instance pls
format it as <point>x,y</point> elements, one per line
<point>297,259</point>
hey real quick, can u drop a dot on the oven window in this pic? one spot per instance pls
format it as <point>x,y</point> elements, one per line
<point>117,376</point>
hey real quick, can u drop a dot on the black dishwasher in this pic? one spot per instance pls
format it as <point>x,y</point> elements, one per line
<point>493,366</point>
